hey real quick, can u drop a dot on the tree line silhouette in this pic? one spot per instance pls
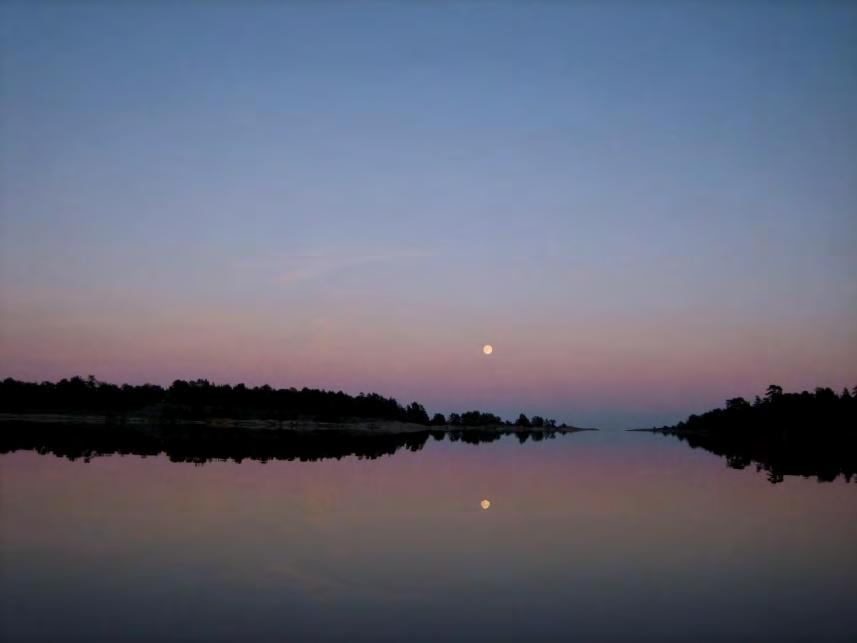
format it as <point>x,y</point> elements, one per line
<point>810,434</point>
<point>201,400</point>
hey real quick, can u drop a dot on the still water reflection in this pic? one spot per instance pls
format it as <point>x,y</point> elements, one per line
<point>594,536</point>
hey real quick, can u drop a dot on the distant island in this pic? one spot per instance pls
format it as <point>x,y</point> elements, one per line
<point>197,421</point>
<point>87,400</point>
<point>804,434</point>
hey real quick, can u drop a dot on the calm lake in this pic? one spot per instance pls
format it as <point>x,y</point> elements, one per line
<point>594,536</point>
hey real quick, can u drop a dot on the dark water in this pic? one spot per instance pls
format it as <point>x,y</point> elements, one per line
<point>591,537</point>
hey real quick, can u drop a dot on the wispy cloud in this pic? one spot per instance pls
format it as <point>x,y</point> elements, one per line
<point>305,267</point>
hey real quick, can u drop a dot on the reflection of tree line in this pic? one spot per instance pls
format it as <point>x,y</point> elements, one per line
<point>805,434</point>
<point>200,444</point>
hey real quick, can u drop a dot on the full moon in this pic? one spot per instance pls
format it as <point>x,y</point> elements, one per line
<point>485,504</point>
<point>487,349</point>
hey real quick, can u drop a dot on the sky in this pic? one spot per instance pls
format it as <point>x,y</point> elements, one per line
<point>645,208</point>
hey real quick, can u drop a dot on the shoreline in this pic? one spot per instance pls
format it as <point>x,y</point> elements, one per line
<point>360,427</point>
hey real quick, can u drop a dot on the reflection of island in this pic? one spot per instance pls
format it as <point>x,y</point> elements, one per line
<point>803,434</point>
<point>200,444</point>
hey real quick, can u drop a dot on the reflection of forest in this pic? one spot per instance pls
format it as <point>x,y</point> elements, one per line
<point>824,457</point>
<point>200,444</point>
<point>802,434</point>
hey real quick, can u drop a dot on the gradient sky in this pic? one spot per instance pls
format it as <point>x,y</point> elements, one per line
<point>644,209</point>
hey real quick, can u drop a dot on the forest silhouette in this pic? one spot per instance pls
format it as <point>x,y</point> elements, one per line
<point>809,434</point>
<point>197,421</point>
<point>200,400</point>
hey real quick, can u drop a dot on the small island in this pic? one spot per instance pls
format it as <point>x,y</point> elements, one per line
<point>808,434</point>
<point>198,421</point>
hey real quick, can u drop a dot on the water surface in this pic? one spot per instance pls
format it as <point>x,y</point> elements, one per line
<point>596,536</point>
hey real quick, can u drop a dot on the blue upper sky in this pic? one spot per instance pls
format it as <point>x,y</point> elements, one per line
<point>646,207</point>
